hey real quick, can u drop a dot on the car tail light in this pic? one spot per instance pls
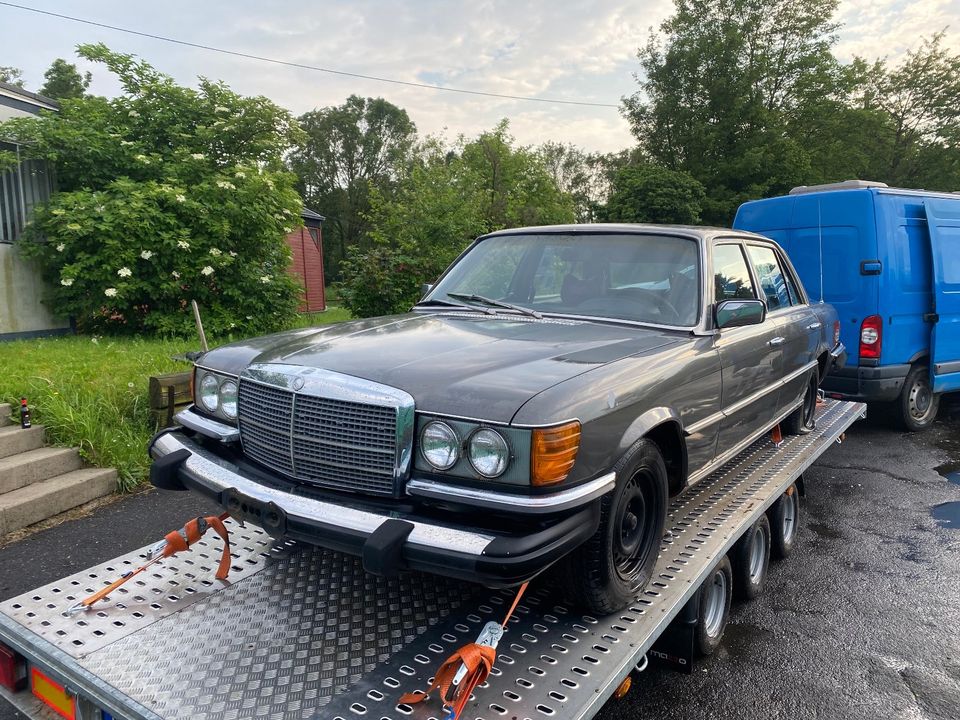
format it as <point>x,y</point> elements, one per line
<point>554,452</point>
<point>13,670</point>
<point>871,337</point>
<point>836,333</point>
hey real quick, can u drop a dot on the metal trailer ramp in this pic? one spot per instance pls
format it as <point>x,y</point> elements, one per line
<point>301,632</point>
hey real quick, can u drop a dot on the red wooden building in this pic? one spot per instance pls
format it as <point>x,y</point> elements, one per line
<point>306,242</point>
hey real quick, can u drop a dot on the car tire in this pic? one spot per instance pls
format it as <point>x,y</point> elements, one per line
<point>750,559</point>
<point>784,518</point>
<point>714,611</point>
<point>917,405</point>
<point>803,420</point>
<point>609,570</point>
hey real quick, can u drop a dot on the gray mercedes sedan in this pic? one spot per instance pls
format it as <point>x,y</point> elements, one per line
<point>537,407</point>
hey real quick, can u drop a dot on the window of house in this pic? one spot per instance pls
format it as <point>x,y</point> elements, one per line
<point>21,188</point>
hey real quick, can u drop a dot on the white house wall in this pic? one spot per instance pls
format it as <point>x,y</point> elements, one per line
<point>21,291</point>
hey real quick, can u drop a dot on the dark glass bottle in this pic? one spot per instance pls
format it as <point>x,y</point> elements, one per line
<point>24,413</point>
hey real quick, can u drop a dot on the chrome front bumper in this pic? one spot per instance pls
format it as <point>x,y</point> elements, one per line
<point>413,542</point>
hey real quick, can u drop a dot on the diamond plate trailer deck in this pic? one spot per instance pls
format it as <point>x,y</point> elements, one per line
<point>301,632</point>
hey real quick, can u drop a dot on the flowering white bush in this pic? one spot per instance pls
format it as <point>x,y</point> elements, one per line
<point>149,167</point>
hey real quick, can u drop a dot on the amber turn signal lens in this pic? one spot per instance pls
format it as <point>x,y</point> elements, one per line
<point>554,451</point>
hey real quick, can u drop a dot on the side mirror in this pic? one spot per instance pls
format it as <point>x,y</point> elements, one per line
<point>425,288</point>
<point>738,313</point>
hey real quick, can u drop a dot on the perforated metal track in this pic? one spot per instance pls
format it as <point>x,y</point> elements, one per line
<point>305,633</point>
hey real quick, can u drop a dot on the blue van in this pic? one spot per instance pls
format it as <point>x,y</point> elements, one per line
<point>889,261</point>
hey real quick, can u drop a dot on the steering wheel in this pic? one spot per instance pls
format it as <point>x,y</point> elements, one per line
<point>671,316</point>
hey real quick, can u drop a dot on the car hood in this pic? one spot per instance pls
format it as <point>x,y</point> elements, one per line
<point>454,363</point>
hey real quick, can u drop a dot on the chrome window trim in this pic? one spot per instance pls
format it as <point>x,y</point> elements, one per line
<point>549,503</point>
<point>207,427</point>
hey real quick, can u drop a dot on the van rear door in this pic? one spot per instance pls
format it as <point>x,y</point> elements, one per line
<point>943,219</point>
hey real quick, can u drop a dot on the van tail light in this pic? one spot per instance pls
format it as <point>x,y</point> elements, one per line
<point>13,670</point>
<point>871,337</point>
<point>836,333</point>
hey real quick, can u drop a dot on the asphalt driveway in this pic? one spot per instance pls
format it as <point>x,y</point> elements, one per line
<point>863,621</point>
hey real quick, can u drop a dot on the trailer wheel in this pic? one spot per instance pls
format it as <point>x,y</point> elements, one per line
<point>609,570</point>
<point>784,519</point>
<point>750,559</point>
<point>715,595</point>
<point>917,405</point>
<point>803,420</point>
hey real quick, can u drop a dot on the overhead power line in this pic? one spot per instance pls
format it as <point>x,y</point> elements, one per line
<point>303,66</point>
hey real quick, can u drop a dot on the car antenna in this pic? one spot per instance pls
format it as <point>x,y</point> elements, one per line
<point>820,239</point>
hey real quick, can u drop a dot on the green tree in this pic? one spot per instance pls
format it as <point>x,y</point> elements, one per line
<point>449,197</point>
<point>920,99</point>
<point>11,75</point>
<point>346,150</point>
<point>167,194</point>
<point>647,193</point>
<point>584,176</point>
<point>63,81</point>
<point>721,86</point>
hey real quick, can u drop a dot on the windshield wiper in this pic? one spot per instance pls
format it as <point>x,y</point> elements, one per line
<point>437,301</point>
<point>495,303</point>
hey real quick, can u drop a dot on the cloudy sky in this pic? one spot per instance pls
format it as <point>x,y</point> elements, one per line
<point>583,51</point>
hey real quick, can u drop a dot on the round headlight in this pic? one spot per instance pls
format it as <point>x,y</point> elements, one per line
<point>209,392</point>
<point>439,445</point>
<point>228,398</point>
<point>488,452</point>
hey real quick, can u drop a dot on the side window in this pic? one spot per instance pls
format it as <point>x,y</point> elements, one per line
<point>795,297</point>
<point>731,278</point>
<point>770,276</point>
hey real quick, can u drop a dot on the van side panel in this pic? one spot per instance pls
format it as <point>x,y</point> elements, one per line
<point>944,218</point>
<point>844,223</point>
<point>906,296</point>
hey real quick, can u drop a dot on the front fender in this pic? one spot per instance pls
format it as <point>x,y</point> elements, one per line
<point>640,427</point>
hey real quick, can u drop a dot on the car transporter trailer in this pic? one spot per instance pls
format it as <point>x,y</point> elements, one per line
<point>302,632</point>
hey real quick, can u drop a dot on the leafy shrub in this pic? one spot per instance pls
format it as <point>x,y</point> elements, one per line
<point>168,194</point>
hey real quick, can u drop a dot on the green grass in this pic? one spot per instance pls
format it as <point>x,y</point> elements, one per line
<point>91,393</point>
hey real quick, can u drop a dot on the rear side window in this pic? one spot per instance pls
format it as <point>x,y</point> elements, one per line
<point>770,275</point>
<point>731,278</point>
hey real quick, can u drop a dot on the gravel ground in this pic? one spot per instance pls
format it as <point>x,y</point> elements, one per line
<point>863,621</point>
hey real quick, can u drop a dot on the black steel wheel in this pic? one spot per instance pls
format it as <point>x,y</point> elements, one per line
<point>803,420</point>
<point>917,405</point>
<point>610,570</point>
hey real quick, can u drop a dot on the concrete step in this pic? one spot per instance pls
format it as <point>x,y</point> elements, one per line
<point>5,411</point>
<point>47,498</point>
<point>26,468</point>
<point>14,439</point>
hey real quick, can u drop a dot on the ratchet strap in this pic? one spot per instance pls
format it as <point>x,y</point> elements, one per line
<point>173,542</point>
<point>476,659</point>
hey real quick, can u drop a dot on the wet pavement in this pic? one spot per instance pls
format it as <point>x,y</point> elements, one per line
<point>861,622</point>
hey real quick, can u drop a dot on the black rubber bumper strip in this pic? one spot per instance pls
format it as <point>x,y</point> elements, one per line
<point>383,551</point>
<point>164,472</point>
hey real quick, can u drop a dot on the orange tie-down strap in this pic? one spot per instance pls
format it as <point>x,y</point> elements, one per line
<point>478,661</point>
<point>176,541</point>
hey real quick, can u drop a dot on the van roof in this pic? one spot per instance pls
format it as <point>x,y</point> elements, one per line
<point>879,187</point>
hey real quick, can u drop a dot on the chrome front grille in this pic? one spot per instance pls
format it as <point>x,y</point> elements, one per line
<point>331,442</point>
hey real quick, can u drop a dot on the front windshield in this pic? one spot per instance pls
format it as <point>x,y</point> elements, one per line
<point>643,278</point>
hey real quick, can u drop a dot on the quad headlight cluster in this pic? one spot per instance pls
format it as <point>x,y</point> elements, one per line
<point>217,394</point>
<point>485,449</point>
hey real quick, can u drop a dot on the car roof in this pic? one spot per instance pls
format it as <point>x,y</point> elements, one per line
<point>698,232</point>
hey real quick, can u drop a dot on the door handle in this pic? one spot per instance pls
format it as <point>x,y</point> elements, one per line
<point>776,341</point>
<point>813,326</point>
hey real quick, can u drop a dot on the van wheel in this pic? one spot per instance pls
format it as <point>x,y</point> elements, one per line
<point>609,570</point>
<point>918,404</point>
<point>803,420</point>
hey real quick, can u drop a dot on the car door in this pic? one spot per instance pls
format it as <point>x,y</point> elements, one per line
<point>751,357</point>
<point>797,324</point>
